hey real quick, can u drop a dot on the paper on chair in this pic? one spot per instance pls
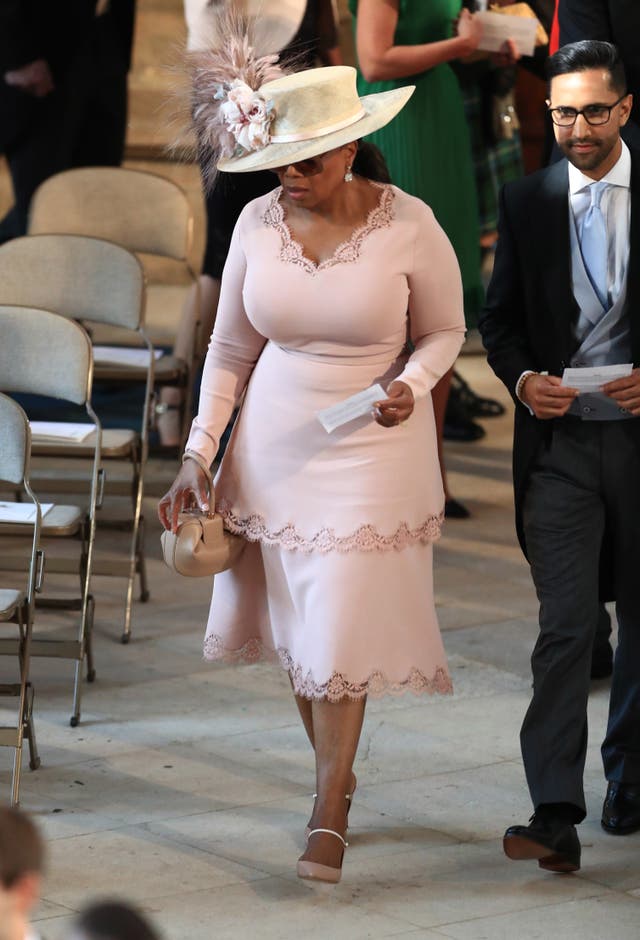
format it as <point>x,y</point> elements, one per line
<point>123,355</point>
<point>53,431</point>
<point>352,407</point>
<point>21,512</point>
<point>592,378</point>
<point>497,28</point>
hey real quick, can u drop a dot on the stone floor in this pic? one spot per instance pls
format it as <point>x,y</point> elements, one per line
<point>187,787</point>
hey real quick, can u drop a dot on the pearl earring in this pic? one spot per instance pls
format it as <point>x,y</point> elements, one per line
<point>348,176</point>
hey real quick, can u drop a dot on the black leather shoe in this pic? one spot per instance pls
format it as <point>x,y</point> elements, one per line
<point>455,510</point>
<point>621,809</point>
<point>554,844</point>
<point>602,661</point>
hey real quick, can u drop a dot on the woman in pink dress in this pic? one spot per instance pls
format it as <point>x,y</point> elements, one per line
<point>327,278</point>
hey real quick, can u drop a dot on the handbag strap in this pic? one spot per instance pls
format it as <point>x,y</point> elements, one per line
<point>199,459</point>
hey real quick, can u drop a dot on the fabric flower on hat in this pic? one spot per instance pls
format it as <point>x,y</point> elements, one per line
<point>246,115</point>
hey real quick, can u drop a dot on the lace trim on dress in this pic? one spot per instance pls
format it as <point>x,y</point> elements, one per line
<point>338,685</point>
<point>365,538</point>
<point>348,251</point>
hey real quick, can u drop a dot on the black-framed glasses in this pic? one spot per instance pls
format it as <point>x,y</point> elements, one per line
<point>594,114</point>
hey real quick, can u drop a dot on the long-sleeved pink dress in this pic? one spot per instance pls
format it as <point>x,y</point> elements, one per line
<point>336,578</point>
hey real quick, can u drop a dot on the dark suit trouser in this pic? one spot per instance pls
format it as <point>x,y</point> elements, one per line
<point>588,478</point>
<point>82,123</point>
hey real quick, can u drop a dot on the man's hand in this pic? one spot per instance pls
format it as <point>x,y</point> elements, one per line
<point>35,78</point>
<point>626,392</point>
<point>547,397</point>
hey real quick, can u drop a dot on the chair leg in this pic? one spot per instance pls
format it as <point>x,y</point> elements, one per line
<point>91,671</point>
<point>142,566</point>
<point>85,637</point>
<point>17,767</point>
<point>30,733</point>
<point>133,558</point>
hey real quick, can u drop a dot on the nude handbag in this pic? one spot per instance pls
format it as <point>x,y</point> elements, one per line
<point>201,546</point>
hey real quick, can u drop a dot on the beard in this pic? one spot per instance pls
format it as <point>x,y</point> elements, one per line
<point>588,161</point>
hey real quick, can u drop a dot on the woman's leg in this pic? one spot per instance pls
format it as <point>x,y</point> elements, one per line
<point>336,728</point>
<point>306,713</point>
<point>194,316</point>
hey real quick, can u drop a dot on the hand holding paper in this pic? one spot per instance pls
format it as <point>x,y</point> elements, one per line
<point>594,378</point>
<point>625,391</point>
<point>546,396</point>
<point>497,29</point>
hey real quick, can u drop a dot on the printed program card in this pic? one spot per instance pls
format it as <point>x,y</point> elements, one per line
<point>591,379</point>
<point>22,512</point>
<point>352,407</point>
<point>63,431</point>
<point>123,356</point>
<point>497,28</point>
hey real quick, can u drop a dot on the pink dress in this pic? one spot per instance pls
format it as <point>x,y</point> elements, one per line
<point>336,578</point>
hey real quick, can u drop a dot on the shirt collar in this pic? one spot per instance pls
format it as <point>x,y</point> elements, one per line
<point>618,175</point>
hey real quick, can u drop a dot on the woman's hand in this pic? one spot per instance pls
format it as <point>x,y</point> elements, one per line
<point>508,55</point>
<point>469,29</point>
<point>396,408</point>
<point>189,490</point>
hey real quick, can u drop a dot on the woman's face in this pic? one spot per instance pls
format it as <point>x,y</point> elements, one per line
<point>312,182</point>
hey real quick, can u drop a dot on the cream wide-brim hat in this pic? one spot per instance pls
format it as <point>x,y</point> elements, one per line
<point>273,23</point>
<point>317,110</point>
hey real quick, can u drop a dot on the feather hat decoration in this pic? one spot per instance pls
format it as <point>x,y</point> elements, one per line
<point>228,114</point>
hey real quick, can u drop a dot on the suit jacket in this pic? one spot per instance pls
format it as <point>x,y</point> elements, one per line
<point>616,21</point>
<point>528,318</point>
<point>33,29</point>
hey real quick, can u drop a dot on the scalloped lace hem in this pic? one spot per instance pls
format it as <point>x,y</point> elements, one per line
<point>338,686</point>
<point>365,538</point>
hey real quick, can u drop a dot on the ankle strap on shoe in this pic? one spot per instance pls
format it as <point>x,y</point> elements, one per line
<point>330,832</point>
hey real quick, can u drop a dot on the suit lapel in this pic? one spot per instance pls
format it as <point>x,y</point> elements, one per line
<point>633,271</point>
<point>556,246</point>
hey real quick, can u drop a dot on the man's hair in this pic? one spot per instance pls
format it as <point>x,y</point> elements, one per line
<point>21,847</point>
<point>586,55</point>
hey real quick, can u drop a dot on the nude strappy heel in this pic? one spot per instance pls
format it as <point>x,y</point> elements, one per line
<point>314,871</point>
<point>348,797</point>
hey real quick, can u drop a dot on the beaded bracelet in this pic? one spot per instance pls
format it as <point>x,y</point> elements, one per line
<point>522,382</point>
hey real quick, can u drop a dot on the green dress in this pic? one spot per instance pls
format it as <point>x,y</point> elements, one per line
<point>427,146</point>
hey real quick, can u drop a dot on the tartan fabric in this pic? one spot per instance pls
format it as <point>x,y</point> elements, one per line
<point>494,163</point>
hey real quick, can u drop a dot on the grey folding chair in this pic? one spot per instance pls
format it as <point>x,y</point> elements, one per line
<point>90,279</point>
<point>17,605</point>
<point>148,214</point>
<point>43,353</point>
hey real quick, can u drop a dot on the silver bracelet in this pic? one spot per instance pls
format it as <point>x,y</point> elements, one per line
<point>199,459</point>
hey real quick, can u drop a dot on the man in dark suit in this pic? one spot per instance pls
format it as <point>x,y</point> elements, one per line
<point>63,72</point>
<point>616,21</point>
<point>564,293</point>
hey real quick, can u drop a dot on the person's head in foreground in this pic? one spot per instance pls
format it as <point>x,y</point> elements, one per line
<point>21,868</point>
<point>112,920</point>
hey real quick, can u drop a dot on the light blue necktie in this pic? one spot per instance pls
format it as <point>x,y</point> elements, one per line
<point>594,244</point>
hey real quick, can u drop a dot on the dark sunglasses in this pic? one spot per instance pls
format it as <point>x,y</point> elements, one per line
<point>310,167</point>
